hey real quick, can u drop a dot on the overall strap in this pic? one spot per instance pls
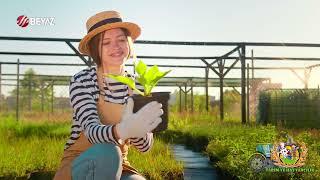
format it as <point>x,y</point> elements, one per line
<point>100,80</point>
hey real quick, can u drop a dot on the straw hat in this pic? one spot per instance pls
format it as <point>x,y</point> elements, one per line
<point>104,21</point>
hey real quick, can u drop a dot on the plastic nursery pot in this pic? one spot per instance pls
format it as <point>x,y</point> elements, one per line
<point>161,97</point>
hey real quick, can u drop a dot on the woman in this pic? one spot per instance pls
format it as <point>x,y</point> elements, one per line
<point>104,125</point>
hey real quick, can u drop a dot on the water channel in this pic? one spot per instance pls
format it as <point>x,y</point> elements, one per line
<point>196,165</point>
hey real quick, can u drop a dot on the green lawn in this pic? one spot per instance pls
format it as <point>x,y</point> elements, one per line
<point>28,147</point>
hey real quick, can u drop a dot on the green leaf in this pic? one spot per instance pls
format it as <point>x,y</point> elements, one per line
<point>151,74</point>
<point>159,75</point>
<point>141,68</point>
<point>148,78</point>
<point>126,80</point>
<point>141,80</point>
<point>123,79</point>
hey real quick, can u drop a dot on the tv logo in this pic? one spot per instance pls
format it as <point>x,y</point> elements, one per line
<point>23,21</point>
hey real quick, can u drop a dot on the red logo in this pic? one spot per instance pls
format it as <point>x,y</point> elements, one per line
<point>23,21</point>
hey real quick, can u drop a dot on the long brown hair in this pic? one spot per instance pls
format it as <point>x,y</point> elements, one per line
<point>95,42</point>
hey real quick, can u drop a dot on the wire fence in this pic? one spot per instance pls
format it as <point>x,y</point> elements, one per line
<point>297,108</point>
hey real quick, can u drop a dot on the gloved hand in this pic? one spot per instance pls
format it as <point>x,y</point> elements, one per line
<point>140,123</point>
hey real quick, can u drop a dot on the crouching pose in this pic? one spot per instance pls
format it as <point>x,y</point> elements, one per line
<point>104,126</point>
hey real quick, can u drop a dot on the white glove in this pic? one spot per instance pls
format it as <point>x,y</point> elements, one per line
<point>140,123</point>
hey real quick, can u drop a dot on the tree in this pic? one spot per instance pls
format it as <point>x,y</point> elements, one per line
<point>34,91</point>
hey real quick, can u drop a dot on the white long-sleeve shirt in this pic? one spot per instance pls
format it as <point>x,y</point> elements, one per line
<point>84,95</point>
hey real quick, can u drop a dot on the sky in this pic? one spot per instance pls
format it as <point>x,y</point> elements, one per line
<point>173,20</point>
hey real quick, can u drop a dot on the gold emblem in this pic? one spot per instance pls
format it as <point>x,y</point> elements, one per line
<point>289,154</point>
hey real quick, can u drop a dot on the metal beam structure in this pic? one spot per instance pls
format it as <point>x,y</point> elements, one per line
<point>166,81</point>
<point>161,65</point>
<point>220,70</point>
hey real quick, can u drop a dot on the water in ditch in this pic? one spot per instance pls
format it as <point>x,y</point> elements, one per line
<point>196,165</point>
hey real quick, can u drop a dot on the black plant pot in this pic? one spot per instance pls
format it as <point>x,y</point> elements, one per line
<point>161,97</point>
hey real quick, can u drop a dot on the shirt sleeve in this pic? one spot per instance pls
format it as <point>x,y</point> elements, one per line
<point>143,144</point>
<point>85,111</point>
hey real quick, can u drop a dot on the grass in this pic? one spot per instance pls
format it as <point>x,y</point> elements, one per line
<point>230,144</point>
<point>159,163</point>
<point>31,146</point>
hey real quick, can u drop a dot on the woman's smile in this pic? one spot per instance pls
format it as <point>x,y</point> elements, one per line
<point>116,54</point>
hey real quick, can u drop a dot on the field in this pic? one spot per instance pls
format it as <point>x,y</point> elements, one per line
<point>35,144</point>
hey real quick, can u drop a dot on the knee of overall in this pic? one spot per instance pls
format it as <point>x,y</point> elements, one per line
<point>106,154</point>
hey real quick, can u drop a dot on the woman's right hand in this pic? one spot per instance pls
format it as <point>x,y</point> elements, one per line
<point>136,125</point>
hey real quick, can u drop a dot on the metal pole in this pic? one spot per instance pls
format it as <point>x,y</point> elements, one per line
<point>17,98</point>
<point>1,87</point>
<point>253,83</point>
<point>252,64</point>
<point>52,96</point>
<point>248,89</point>
<point>30,95</point>
<point>221,76</point>
<point>207,88</point>
<point>306,79</point>
<point>42,97</point>
<point>192,97</point>
<point>243,84</point>
<point>185,97</point>
<point>179,98</point>
<point>221,97</point>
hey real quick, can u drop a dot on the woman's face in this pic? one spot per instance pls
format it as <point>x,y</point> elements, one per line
<point>115,47</point>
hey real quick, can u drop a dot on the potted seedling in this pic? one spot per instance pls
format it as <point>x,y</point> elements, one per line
<point>148,78</point>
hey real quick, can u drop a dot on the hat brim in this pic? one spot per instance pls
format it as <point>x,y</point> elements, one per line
<point>133,29</point>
